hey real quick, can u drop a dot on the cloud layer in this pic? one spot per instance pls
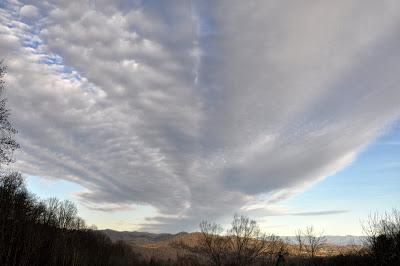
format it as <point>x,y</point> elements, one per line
<point>198,108</point>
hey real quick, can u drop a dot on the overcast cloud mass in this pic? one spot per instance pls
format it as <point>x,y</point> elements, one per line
<point>198,108</point>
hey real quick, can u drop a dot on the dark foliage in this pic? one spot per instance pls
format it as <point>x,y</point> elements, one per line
<point>342,260</point>
<point>48,232</point>
<point>383,237</point>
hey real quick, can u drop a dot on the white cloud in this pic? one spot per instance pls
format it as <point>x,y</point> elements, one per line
<point>139,103</point>
<point>29,12</point>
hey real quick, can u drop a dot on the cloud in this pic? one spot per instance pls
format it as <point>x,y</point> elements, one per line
<point>266,210</point>
<point>319,213</point>
<point>198,108</point>
<point>29,12</point>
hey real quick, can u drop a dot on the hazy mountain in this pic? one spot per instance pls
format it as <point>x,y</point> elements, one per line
<point>141,238</point>
<point>335,240</point>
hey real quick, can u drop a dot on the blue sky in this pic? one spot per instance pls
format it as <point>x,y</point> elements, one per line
<point>370,184</point>
<point>155,115</point>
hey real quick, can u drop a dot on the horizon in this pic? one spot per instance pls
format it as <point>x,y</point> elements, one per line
<point>153,116</point>
<point>184,232</point>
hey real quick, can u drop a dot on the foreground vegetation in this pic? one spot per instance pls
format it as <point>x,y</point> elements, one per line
<point>34,232</point>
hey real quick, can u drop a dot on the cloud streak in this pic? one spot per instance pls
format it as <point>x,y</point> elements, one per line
<point>319,213</point>
<point>197,108</point>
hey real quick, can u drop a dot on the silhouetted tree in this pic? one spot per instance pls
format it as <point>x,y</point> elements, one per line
<point>383,237</point>
<point>34,232</point>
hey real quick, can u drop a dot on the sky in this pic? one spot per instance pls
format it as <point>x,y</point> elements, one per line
<point>155,115</point>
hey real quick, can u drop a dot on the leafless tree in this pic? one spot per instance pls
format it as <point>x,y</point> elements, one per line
<point>7,143</point>
<point>80,224</point>
<point>52,204</point>
<point>213,244</point>
<point>313,240</point>
<point>276,249</point>
<point>243,243</point>
<point>299,240</point>
<point>67,212</point>
<point>246,240</point>
<point>383,236</point>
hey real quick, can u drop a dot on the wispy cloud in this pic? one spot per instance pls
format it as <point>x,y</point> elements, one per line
<point>140,104</point>
<point>319,213</point>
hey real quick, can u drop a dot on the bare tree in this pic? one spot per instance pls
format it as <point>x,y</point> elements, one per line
<point>213,243</point>
<point>243,243</point>
<point>246,240</point>
<point>276,249</point>
<point>67,212</point>
<point>52,204</point>
<point>7,143</point>
<point>299,240</point>
<point>313,240</point>
<point>80,224</point>
<point>383,237</point>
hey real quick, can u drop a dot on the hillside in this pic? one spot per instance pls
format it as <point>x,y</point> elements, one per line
<point>140,238</point>
<point>169,246</point>
<point>161,246</point>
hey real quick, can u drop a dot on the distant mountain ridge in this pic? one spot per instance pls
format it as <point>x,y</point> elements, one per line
<point>140,238</point>
<point>143,238</point>
<point>336,240</point>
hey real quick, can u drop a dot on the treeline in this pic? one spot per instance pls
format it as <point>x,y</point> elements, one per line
<point>34,232</point>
